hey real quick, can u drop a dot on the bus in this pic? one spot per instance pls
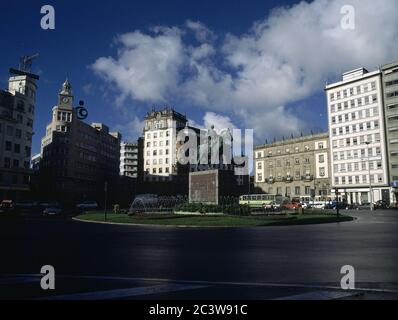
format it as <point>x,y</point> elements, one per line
<point>259,200</point>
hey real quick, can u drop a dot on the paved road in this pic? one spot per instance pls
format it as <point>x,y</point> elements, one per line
<point>113,261</point>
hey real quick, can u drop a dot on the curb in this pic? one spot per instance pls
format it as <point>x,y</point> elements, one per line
<point>159,225</point>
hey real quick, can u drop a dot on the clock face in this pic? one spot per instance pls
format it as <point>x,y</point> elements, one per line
<point>65,100</point>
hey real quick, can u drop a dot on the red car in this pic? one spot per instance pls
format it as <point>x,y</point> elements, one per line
<point>291,205</point>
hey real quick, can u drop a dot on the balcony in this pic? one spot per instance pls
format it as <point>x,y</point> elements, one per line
<point>307,177</point>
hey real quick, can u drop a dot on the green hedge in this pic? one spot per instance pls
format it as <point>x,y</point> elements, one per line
<point>231,209</point>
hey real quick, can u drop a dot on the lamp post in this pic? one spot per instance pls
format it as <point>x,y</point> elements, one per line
<point>370,181</point>
<point>336,192</point>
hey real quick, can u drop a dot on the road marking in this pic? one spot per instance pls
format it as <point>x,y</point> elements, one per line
<point>213,283</point>
<point>320,295</point>
<point>124,293</point>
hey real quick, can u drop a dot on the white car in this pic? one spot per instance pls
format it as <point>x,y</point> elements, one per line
<point>319,205</point>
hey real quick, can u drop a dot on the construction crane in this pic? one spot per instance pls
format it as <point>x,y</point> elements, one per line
<point>25,63</point>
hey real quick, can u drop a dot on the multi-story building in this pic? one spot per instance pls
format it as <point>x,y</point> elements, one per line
<point>357,137</point>
<point>160,144</point>
<point>77,159</point>
<point>17,109</point>
<point>390,86</point>
<point>129,159</point>
<point>295,168</point>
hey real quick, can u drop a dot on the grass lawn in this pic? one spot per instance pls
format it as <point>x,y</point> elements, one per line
<point>220,221</point>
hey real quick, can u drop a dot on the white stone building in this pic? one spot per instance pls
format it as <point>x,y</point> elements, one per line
<point>160,144</point>
<point>357,139</point>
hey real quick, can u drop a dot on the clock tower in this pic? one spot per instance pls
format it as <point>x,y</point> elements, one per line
<point>65,97</point>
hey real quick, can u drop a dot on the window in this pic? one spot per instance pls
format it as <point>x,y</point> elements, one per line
<point>15,163</point>
<point>307,191</point>
<point>8,145</point>
<point>392,94</point>
<point>7,162</point>
<point>322,172</point>
<point>17,148</point>
<point>321,158</point>
<point>10,131</point>
<point>297,191</point>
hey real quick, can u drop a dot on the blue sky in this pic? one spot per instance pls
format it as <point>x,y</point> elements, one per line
<point>242,55</point>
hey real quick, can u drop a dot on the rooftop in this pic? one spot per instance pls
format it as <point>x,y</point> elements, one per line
<point>317,136</point>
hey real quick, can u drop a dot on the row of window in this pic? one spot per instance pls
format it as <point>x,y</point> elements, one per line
<point>4,179</point>
<point>357,154</point>
<point>158,161</point>
<point>17,133</point>
<point>156,135</point>
<point>359,127</point>
<point>288,191</point>
<point>21,107</point>
<point>64,116</point>
<point>371,86</point>
<point>363,179</point>
<point>355,141</point>
<point>158,170</point>
<point>17,148</point>
<point>156,144</point>
<point>287,162</point>
<point>262,154</point>
<point>392,83</point>
<point>156,153</point>
<point>392,94</point>
<point>362,114</point>
<point>15,163</point>
<point>297,176</point>
<point>358,166</point>
<point>354,103</point>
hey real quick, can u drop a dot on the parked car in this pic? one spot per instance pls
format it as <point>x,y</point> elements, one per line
<point>341,205</point>
<point>87,205</point>
<point>381,204</point>
<point>287,205</point>
<point>273,206</point>
<point>7,208</point>
<point>52,211</point>
<point>364,206</point>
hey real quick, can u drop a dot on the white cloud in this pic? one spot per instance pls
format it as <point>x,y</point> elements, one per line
<point>284,58</point>
<point>219,122</point>
<point>132,129</point>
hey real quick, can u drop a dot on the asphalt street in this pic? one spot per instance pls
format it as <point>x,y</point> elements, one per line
<point>97,261</point>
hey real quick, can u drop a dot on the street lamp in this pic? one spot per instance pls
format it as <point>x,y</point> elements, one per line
<point>336,191</point>
<point>370,181</point>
